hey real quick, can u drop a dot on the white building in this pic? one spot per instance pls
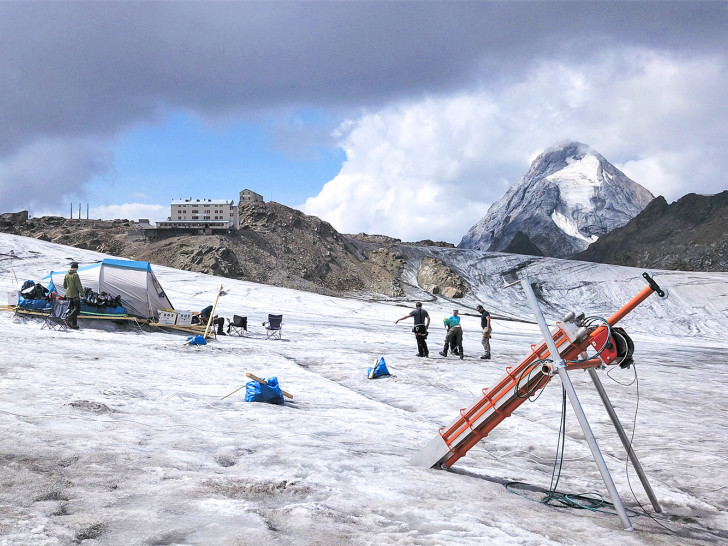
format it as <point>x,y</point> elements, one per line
<point>202,214</point>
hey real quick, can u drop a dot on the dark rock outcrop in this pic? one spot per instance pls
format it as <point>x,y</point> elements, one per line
<point>14,217</point>
<point>690,234</point>
<point>521,244</point>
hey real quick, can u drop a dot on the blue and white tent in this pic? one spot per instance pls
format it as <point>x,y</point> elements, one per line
<point>140,291</point>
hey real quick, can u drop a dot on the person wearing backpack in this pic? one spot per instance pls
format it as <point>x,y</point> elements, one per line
<point>74,289</point>
<point>422,323</point>
<point>454,334</point>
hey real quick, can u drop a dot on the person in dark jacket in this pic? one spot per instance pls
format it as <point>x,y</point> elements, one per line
<point>204,316</point>
<point>485,325</point>
<point>422,323</point>
<point>73,287</point>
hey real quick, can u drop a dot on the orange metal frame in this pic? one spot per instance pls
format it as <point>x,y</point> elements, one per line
<point>512,382</point>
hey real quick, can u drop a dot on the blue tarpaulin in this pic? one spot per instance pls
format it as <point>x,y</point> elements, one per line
<point>34,305</point>
<point>197,340</point>
<point>379,369</point>
<point>259,392</point>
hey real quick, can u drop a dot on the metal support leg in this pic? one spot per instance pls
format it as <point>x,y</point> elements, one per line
<point>576,405</point>
<point>625,440</point>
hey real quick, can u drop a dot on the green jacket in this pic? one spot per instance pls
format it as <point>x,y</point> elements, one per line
<point>72,284</point>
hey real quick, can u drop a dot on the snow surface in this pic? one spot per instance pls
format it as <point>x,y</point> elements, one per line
<point>578,182</point>
<point>113,435</point>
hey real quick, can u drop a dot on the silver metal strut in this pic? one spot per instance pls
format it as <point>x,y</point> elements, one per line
<point>625,440</point>
<point>576,405</point>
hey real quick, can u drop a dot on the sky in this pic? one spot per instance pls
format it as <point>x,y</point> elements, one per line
<point>129,437</point>
<point>407,119</point>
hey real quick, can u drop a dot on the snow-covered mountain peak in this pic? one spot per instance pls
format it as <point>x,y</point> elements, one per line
<point>570,196</point>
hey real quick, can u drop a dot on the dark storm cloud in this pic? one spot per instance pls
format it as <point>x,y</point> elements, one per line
<point>91,69</point>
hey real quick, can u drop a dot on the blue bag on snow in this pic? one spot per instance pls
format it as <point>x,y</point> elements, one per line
<point>379,369</point>
<point>258,392</point>
<point>197,340</point>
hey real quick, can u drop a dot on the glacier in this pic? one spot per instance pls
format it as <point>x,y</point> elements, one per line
<point>115,435</point>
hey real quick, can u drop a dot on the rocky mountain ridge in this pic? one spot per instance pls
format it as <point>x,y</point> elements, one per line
<point>690,234</point>
<point>569,198</point>
<point>275,245</point>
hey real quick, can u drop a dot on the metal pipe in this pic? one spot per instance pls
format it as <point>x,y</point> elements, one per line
<point>576,405</point>
<point>625,440</point>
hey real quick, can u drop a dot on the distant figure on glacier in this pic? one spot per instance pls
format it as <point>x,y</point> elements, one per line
<point>422,323</point>
<point>485,325</point>
<point>454,334</point>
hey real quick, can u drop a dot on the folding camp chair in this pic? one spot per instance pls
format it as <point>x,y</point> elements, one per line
<point>56,320</point>
<point>274,326</point>
<point>238,326</point>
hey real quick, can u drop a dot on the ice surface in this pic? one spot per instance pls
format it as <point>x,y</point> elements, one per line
<point>568,226</point>
<point>113,435</point>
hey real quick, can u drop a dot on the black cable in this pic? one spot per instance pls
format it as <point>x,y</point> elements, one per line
<point>582,501</point>
<point>556,475</point>
<point>536,365</point>
<point>588,321</point>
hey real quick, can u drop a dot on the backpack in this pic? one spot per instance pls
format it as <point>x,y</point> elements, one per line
<point>419,328</point>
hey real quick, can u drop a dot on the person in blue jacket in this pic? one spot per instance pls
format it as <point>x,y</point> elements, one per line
<point>204,316</point>
<point>454,334</point>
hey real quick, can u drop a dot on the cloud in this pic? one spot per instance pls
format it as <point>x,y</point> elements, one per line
<point>76,75</point>
<point>88,68</point>
<point>434,166</point>
<point>49,171</point>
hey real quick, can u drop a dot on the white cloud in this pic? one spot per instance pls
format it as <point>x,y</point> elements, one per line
<point>46,172</point>
<point>431,169</point>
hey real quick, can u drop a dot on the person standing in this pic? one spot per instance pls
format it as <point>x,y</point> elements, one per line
<point>73,287</point>
<point>485,325</point>
<point>422,323</point>
<point>454,334</point>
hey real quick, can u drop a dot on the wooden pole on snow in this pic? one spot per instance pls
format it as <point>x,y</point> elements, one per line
<point>212,314</point>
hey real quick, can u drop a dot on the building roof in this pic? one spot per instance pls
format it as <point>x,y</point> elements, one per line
<point>191,201</point>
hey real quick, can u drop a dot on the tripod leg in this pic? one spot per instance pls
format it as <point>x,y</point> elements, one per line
<point>625,440</point>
